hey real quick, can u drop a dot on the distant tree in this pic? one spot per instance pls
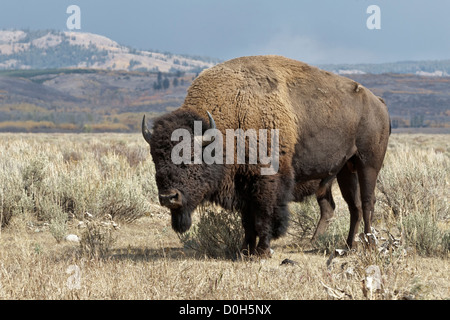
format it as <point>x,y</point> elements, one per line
<point>179,73</point>
<point>417,121</point>
<point>133,63</point>
<point>175,82</point>
<point>166,83</point>
<point>157,85</point>
<point>394,123</point>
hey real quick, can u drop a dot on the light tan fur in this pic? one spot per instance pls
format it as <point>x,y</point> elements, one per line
<point>274,92</point>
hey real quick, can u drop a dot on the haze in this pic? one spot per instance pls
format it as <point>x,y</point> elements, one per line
<point>316,32</point>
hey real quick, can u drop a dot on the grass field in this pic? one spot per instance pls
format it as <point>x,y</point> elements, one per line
<point>128,250</point>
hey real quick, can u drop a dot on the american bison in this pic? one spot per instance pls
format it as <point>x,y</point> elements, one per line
<point>329,127</point>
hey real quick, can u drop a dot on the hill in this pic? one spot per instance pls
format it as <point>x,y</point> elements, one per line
<point>43,49</point>
<point>55,81</point>
<point>413,101</point>
<point>86,100</point>
<point>100,100</point>
<point>438,68</point>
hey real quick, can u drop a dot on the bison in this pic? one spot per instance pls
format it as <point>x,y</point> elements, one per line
<point>329,127</point>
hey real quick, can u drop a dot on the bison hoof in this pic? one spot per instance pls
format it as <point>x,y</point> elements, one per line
<point>264,252</point>
<point>368,241</point>
<point>258,252</point>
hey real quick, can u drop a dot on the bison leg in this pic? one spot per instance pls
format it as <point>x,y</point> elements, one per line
<point>266,215</point>
<point>256,225</point>
<point>327,205</point>
<point>263,228</point>
<point>348,183</point>
<point>272,223</point>
<point>248,222</point>
<point>367,178</point>
<point>280,220</point>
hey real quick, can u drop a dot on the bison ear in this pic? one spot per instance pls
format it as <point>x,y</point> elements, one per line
<point>145,132</point>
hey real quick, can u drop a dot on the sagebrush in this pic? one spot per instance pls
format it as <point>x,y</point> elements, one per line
<point>50,180</point>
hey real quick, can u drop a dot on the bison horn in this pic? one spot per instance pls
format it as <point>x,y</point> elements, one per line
<point>145,132</point>
<point>212,125</point>
<point>201,139</point>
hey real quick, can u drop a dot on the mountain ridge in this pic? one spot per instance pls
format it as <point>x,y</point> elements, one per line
<point>88,100</point>
<point>52,81</point>
<point>42,49</point>
<point>431,68</point>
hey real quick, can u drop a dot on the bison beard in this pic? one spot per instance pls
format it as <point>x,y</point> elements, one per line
<point>181,220</point>
<point>330,128</point>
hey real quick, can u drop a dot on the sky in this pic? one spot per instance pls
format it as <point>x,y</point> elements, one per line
<point>314,31</point>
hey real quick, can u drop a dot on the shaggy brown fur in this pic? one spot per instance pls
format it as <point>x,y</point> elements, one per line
<point>325,121</point>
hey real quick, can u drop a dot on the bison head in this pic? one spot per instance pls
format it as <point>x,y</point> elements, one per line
<point>182,187</point>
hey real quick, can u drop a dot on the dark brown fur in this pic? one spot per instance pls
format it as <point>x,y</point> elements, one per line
<point>327,130</point>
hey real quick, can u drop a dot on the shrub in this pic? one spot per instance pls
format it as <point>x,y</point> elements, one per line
<point>217,234</point>
<point>304,218</point>
<point>58,225</point>
<point>32,175</point>
<point>414,186</point>
<point>421,231</point>
<point>334,237</point>
<point>50,210</point>
<point>412,179</point>
<point>48,179</point>
<point>98,237</point>
<point>13,198</point>
<point>123,200</point>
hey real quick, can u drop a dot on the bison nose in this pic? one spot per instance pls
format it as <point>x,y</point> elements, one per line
<point>171,199</point>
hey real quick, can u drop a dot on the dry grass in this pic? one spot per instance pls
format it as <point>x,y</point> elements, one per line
<point>147,260</point>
